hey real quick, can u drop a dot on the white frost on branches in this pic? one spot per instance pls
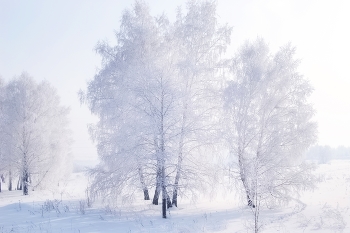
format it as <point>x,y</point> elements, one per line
<point>35,136</point>
<point>269,122</point>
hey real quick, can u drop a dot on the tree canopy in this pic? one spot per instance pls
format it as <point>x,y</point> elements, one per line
<point>35,134</point>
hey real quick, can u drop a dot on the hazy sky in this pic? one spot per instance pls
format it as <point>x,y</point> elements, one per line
<point>55,40</point>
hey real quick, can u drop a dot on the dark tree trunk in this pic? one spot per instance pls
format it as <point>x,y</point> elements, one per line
<point>164,193</point>
<point>10,181</point>
<point>25,175</point>
<point>145,194</point>
<point>245,185</point>
<point>19,184</point>
<point>180,158</point>
<point>249,198</point>
<point>156,196</point>
<point>25,189</point>
<point>175,196</point>
<point>25,182</point>
<point>157,191</point>
<point>168,201</point>
<point>143,183</point>
<point>164,208</point>
<point>176,187</point>
<point>250,202</point>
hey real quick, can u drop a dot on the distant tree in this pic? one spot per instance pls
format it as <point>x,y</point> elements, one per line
<point>2,157</point>
<point>5,163</point>
<point>269,124</point>
<point>341,152</point>
<point>321,154</point>
<point>36,133</point>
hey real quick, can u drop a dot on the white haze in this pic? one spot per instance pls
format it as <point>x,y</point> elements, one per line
<point>55,41</point>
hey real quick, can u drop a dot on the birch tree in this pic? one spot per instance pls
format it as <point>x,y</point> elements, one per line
<point>155,97</point>
<point>3,161</point>
<point>134,97</point>
<point>36,133</point>
<point>270,124</point>
<point>201,42</point>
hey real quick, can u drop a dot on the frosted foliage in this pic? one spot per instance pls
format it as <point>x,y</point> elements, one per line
<point>154,97</point>
<point>3,158</point>
<point>36,133</point>
<point>269,122</point>
<point>133,96</point>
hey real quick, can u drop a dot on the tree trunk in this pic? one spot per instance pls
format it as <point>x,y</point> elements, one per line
<point>156,196</point>
<point>250,202</point>
<point>10,181</point>
<point>175,195</point>
<point>25,182</point>
<point>180,156</point>
<point>168,200</point>
<point>19,183</point>
<point>164,193</point>
<point>162,158</point>
<point>143,183</point>
<point>176,185</point>
<point>25,174</point>
<point>157,191</point>
<point>256,217</point>
<point>145,194</point>
<point>249,195</point>
<point>245,185</point>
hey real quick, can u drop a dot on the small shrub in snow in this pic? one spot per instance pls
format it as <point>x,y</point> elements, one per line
<point>330,218</point>
<point>47,206</point>
<point>50,205</point>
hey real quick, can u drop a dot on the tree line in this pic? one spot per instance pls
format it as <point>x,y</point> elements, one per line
<point>172,105</point>
<point>324,154</point>
<point>176,115</point>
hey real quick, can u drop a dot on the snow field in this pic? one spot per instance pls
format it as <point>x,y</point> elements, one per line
<point>326,209</point>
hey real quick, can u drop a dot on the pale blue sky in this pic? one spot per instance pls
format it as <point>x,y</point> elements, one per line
<point>55,40</point>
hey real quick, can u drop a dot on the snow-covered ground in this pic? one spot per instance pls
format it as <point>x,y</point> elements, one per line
<point>326,209</point>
